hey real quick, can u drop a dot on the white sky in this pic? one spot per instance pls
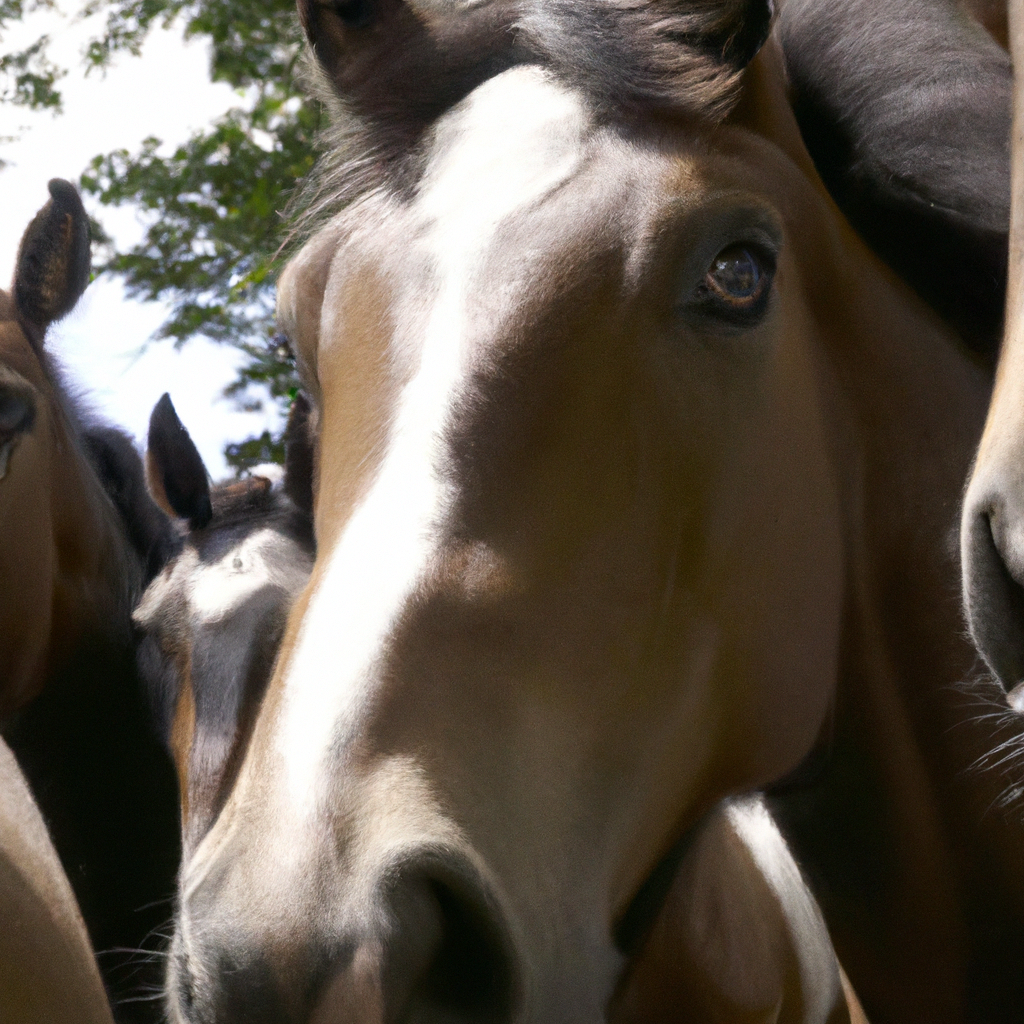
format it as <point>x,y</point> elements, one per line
<point>166,93</point>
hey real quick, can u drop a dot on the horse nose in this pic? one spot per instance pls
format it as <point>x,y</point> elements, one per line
<point>445,957</point>
<point>992,552</point>
<point>435,949</point>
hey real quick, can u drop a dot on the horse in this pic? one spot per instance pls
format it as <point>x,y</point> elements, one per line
<point>211,621</point>
<point>747,941</point>
<point>991,516</point>
<point>80,537</point>
<point>47,970</point>
<point>637,476</point>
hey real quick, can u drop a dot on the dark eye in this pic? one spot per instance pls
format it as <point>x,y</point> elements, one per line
<point>738,283</point>
<point>354,13</point>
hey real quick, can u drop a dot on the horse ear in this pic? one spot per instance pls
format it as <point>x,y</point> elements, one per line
<point>175,472</point>
<point>120,470</point>
<point>905,110</point>
<point>300,455</point>
<point>398,64</point>
<point>53,259</point>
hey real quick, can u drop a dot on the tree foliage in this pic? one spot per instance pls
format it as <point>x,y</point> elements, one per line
<point>28,77</point>
<point>214,205</point>
<point>213,208</point>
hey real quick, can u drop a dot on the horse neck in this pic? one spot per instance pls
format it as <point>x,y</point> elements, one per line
<point>920,874</point>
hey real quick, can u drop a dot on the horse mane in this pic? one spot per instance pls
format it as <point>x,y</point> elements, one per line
<point>905,110</point>
<point>141,530</point>
<point>256,500</point>
<point>684,58</point>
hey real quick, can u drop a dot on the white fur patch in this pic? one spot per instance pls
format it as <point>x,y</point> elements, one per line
<point>516,138</point>
<point>263,559</point>
<point>215,590</point>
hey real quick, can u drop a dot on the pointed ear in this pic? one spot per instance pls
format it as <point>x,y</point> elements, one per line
<point>120,470</point>
<point>175,472</point>
<point>300,454</point>
<point>398,64</point>
<point>53,258</point>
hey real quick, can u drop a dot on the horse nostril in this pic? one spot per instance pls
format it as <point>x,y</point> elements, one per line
<point>993,592</point>
<point>470,977</point>
<point>443,956</point>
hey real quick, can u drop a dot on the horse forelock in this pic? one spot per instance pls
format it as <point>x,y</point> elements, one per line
<point>680,58</point>
<point>686,58</point>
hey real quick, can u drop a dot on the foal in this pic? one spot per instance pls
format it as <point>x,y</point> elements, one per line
<point>79,539</point>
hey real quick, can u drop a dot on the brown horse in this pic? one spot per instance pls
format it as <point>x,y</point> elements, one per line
<point>636,480</point>
<point>743,939</point>
<point>79,538</point>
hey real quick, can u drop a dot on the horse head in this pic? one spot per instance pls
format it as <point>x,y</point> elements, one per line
<point>212,618</point>
<point>79,538</point>
<point>613,414</point>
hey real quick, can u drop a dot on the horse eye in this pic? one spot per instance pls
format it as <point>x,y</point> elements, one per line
<point>738,282</point>
<point>354,13</point>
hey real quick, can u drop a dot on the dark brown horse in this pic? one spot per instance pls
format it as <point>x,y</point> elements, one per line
<point>637,478</point>
<point>79,537</point>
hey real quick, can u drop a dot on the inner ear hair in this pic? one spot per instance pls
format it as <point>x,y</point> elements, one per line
<point>175,472</point>
<point>52,268</point>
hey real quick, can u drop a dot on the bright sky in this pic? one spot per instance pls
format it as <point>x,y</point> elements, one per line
<point>166,93</point>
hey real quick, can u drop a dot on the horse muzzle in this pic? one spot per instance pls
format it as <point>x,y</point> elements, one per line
<point>426,941</point>
<point>992,554</point>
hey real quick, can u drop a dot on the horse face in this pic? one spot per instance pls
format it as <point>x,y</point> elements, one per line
<point>27,554</point>
<point>579,568</point>
<point>52,269</point>
<point>211,621</point>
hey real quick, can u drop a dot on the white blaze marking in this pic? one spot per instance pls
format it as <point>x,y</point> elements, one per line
<point>516,138</point>
<point>263,559</point>
<point>215,590</point>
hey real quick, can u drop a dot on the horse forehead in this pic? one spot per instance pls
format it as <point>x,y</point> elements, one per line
<point>213,587</point>
<point>513,140</point>
<point>261,559</point>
